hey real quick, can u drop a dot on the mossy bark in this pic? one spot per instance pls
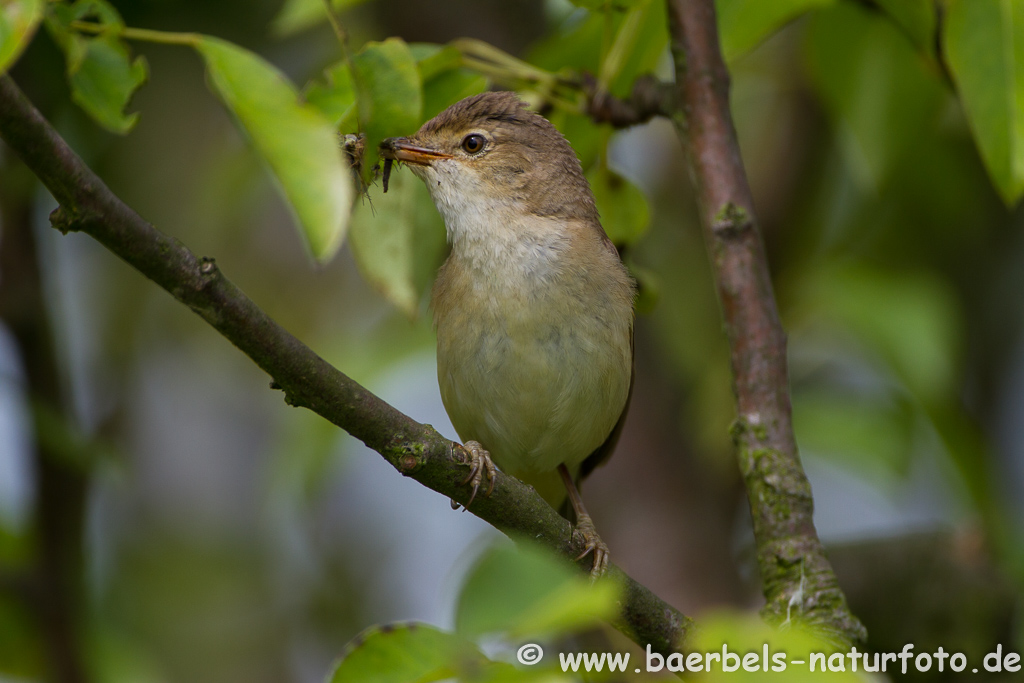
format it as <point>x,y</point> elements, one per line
<point>796,577</point>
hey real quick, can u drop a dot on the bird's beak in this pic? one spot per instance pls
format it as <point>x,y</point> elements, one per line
<point>401,149</point>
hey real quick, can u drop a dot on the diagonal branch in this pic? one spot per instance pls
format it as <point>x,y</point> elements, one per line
<point>308,381</point>
<point>794,570</point>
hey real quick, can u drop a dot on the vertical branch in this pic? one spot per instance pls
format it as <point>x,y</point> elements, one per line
<point>796,577</point>
<point>54,588</point>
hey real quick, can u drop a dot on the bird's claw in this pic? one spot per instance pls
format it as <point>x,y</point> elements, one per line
<point>480,464</point>
<point>592,543</point>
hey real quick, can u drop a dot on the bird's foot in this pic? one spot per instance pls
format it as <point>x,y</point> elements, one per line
<point>480,464</point>
<point>592,543</point>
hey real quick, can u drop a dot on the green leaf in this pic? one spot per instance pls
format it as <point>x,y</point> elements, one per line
<point>105,80</point>
<point>59,22</point>
<point>908,320</point>
<point>527,591</point>
<point>296,141</point>
<point>873,434</point>
<point>973,456</point>
<point>590,4</point>
<point>298,15</point>
<point>877,90</point>
<point>433,60</point>
<point>733,635</point>
<point>398,240</point>
<point>18,22</point>
<point>743,24</point>
<point>390,94</point>
<point>605,4</point>
<point>445,89</point>
<point>621,205</point>
<point>404,653</point>
<point>335,97</point>
<point>102,74</point>
<point>98,11</point>
<point>444,80</point>
<point>547,672</point>
<point>984,45</point>
<point>637,45</point>
<point>640,41</point>
<point>572,46</point>
<point>422,51</point>
<point>916,18</point>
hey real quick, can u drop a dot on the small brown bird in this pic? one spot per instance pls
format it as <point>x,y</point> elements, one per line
<point>533,308</point>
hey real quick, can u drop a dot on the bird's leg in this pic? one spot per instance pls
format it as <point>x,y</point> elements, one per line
<point>480,464</point>
<point>585,526</point>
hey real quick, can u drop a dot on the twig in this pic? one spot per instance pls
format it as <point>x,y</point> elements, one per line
<point>650,98</point>
<point>339,31</point>
<point>140,34</point>
<point>415,450</point>
<point>777,488</point>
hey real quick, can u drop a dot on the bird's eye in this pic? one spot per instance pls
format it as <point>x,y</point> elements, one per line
<point>473,144</point>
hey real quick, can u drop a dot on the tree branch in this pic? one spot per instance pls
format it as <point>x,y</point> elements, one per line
<point>791,558</point>
<point>415,450</point>
<point>648,99</point>
<point>53,587</point>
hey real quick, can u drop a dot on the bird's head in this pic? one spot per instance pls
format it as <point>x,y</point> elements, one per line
<point>488,157</point>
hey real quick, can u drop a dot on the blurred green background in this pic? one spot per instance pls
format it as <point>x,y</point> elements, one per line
<point>166,517</point>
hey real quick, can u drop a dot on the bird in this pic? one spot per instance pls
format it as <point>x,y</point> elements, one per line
<point>533,307</point>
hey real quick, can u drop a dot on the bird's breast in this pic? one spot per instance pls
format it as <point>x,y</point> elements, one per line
<point>534,354</point>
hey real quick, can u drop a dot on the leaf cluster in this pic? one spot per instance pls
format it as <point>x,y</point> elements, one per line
<point>510,595</point>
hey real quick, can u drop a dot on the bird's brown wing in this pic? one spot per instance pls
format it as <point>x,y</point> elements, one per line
<point>604,451</point>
